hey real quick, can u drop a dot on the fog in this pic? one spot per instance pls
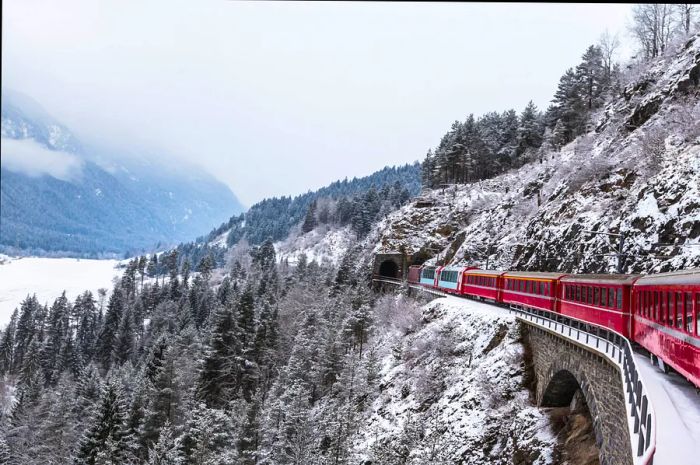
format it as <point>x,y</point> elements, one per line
<point>278,98</point>
<point>33,159</point>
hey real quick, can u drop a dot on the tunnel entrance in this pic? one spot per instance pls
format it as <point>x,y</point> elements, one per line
<point>389,269</point>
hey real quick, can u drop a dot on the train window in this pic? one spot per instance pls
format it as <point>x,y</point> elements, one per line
<point>578,293</point>
<point>657,306</point>
<point>689,312</point>
<point>596,296</point>
<point>679,311</point>
<point>639,305</point>
<point>619,298</point>
<point>662,308</point>
<point>589,299</point>
<point>604,297</point>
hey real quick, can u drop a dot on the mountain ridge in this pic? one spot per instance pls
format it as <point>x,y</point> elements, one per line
<point>105,206</point>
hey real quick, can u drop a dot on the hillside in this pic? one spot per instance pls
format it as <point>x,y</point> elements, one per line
<point>321,224</point>
<point>635,172</point>
<point>61,197</point>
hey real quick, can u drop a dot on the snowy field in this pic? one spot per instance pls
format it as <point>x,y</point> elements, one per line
<point>48,278</point>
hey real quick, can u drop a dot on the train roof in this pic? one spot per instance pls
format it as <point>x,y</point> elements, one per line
<point>684,277</point>
<point>601,278</point>
<point>455,267</point>
<point>485,272</point>
<point>533,275</point>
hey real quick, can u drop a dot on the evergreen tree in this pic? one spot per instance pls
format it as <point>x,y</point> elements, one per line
<point>529,130</point>
<point>124,340</point>
<point>106,438</point>
<point>107,336</point>
<point>26,327</point>
<point>7,345</point>
<point>310,218</point>
<point>167,450</point>
<point>220,373</point>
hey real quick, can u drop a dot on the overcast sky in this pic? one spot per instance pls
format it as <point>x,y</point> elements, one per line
<point>279,98</point>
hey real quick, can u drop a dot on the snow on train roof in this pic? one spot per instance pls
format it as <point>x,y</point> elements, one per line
<point>533,274</point>
<point>691,276</point>
<point>601,278</point>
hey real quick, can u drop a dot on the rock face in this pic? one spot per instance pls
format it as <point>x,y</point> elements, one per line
<point>453,393</point>
<point>637,173</point>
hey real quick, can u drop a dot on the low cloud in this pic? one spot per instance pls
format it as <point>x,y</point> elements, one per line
<point>33,159</point>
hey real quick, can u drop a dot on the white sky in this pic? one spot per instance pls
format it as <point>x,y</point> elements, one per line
<point>279,98</point>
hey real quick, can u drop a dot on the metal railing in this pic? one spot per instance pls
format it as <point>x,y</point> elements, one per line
<point>610,343</point>
<point>617,349</point>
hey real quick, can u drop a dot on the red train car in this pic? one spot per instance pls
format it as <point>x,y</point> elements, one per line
<point>603,299</point>
<point>531,289</point>
<point>414,274</point>
<point>665,319</point>
<point>484,284</point>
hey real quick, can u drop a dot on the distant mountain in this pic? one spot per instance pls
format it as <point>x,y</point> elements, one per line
<point>347,208</point>
<point>60,196</point>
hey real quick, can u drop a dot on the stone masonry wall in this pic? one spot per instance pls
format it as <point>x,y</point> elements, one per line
<point>556,359</point>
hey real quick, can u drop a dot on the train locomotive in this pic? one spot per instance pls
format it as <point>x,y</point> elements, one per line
<point>659,312</point>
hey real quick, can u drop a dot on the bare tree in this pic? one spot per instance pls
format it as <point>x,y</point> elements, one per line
<point>652,25</point>
<point>608,45</point>
<point>686,14</point>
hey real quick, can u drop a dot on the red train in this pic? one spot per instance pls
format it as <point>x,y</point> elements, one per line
<point>659,312</point>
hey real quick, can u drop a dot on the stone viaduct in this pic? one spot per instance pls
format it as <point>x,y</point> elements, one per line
<point>568,369</point>
<point>564,368</point>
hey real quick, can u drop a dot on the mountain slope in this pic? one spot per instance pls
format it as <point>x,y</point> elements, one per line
<point>637,173</point>
<point>59,196</point>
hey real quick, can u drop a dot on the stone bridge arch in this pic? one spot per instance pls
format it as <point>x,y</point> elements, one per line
<point>563,369</point>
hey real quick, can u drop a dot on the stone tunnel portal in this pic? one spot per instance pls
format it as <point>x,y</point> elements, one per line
<point>389,268</point>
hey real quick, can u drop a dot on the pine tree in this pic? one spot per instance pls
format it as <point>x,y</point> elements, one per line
<point>7,345</point>
<point>106,437</point>
<point>85,312</point>
<point>29,308</point>
<point>220,373</point>
<point>310,218</point>
<point>167,450</point>
<point>592,78</point>
<point>529,130</point>
<point>109,330</point>
<point>124,340</point>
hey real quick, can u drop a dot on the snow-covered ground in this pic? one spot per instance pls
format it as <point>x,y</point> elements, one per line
<point>321,245</point>
<point>677,407</point>
<point>452,392</point>
<point>48,278</point>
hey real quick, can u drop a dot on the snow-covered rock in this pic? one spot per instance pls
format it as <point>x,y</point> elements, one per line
<point>452,392</point>
<point>635,175</point>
